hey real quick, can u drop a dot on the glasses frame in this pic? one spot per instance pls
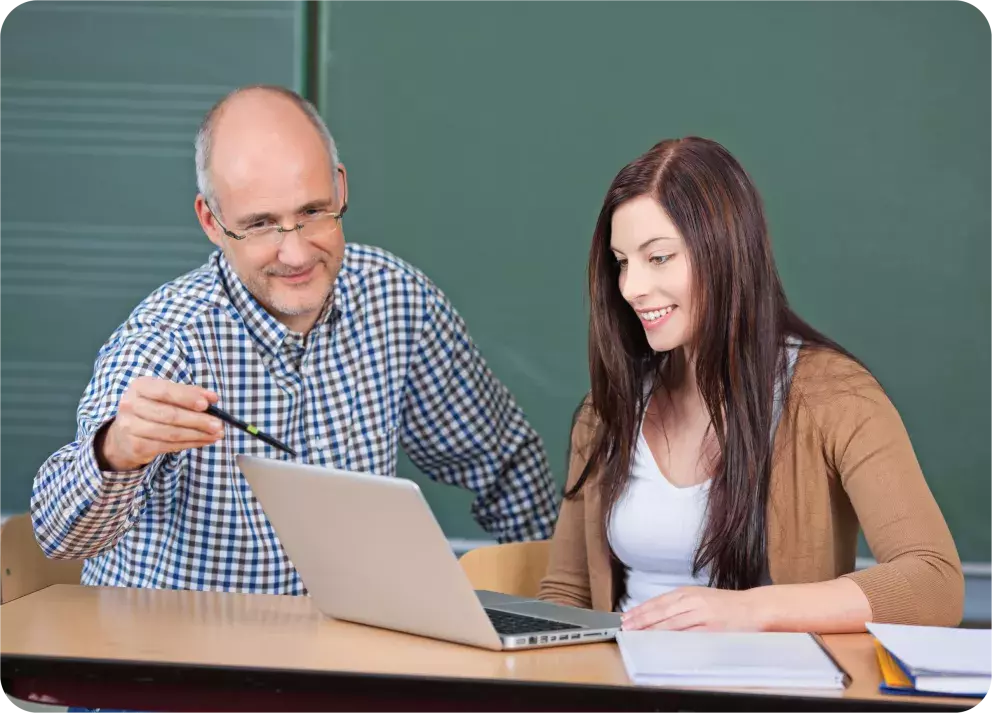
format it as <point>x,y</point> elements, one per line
<point>278,230</point>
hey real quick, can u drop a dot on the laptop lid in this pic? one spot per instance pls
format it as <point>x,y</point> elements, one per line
<point>369,550</point>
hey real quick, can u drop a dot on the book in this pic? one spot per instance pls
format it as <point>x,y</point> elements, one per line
<point>728,660</point>
<point>933,660</point>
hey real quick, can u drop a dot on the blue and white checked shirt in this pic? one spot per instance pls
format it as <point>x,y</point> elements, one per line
<point>391,363</point>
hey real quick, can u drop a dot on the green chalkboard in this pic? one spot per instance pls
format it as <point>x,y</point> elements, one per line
<point>100,105</point>
<point>481,137</point>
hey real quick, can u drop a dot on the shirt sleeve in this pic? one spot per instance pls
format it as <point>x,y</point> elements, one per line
<point>78,510</point>
<point>462,427</point>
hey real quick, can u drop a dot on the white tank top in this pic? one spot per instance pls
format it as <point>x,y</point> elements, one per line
<point>655,530</point>
<point>656,527</point>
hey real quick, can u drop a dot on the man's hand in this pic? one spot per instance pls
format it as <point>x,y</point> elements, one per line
<point>157,416</point>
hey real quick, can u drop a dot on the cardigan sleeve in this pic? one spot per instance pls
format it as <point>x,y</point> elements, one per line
<point>918,577</point>
<point>567,579</point>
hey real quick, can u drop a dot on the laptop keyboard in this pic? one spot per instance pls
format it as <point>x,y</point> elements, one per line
<point>508,623</point>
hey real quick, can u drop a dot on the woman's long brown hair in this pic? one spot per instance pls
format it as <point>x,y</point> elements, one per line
<point>741,322</point>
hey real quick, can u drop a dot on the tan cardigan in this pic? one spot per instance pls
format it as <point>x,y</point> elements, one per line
<point>841,456</point>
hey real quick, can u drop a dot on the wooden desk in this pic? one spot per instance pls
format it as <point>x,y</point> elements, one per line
<point>147,649</point>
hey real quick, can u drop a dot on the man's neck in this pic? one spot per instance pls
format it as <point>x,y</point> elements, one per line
<point>301,324</point>
<point>304,323</point>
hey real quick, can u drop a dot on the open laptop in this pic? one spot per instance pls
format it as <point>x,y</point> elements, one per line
<point>369,550</point>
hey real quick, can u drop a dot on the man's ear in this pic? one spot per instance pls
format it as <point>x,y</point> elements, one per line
<point>207,221</point>
<point>341,185</point>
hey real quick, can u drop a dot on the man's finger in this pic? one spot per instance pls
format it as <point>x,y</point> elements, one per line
<point>194,398</point>
<point>168,415</point>
<point>152,448</point>
<point>149,430</point>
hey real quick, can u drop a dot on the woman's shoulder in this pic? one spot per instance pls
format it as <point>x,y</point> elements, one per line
<point>833,387</point>
<point>825,371</point>
<point>585,422</point>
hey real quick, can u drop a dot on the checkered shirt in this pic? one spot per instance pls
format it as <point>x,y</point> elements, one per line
<point>390,364</point>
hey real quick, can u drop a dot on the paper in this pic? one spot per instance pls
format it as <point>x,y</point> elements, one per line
<point>937,650</point>
<point>733,659</point>
<point>937,659</point>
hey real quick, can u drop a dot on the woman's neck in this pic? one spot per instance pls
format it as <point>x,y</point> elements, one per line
<point>684,396</point>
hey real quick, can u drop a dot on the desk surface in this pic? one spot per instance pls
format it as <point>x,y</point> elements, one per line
<point>210,631</point>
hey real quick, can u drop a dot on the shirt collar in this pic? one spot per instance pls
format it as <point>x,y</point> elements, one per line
<point>264,327</point>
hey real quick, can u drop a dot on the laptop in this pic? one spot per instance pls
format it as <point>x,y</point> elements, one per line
<point>369,550</point>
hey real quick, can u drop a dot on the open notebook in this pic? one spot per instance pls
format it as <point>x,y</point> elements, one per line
<point>731,660</point>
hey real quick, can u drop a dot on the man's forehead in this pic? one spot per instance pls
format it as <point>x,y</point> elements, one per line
<point>278,190</point>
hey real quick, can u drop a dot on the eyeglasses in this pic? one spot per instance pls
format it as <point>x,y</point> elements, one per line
<point>310,224</point>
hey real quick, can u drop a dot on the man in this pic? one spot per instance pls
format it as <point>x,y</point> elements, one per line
<point>342,352</point>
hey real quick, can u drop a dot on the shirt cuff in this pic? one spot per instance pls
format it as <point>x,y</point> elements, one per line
<point>96,484</point>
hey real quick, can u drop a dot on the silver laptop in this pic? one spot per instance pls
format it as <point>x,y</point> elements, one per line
<point>369,550</point>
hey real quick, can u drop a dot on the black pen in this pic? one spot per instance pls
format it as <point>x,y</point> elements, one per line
<point>249,429</point>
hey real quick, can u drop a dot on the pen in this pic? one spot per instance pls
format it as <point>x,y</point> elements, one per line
<point>249,429</point>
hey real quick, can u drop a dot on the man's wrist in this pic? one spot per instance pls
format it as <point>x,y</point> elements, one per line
<point>106,459</point>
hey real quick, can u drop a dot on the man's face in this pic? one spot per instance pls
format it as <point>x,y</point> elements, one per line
<point>289,182</point>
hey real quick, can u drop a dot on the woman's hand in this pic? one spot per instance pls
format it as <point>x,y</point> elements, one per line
<point>699,609</point>
<point>832,607</point>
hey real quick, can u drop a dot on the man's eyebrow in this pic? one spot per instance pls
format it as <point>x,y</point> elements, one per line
<point>319,204</point>
<point>252,218</point>
<point>261,217</point>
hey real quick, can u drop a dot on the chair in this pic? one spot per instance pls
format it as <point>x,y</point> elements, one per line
<point>514,568</point>
<point>25,568</point>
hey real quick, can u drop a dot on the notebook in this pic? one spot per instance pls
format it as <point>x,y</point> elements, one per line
<point>728,660</point>
<point>934,660</point>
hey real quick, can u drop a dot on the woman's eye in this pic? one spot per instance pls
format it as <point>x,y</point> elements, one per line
<point>621,263</point>
<point>660,259</point>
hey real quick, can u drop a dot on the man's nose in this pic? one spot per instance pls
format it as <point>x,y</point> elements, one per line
<point>293,248</point>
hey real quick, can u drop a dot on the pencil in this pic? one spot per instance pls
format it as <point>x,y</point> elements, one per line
<point>249,429</point>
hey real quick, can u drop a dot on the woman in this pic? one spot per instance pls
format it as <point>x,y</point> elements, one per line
<point>728,451</point>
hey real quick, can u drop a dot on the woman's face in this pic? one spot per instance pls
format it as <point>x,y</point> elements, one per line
<point>654,271</point>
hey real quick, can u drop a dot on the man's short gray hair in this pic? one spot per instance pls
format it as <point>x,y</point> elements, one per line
<point>204,136</point>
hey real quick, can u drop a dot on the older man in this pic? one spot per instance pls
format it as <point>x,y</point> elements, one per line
<point>342,351</point>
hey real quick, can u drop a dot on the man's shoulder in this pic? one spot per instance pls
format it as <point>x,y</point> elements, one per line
<point>179,304</point>
<point>367,262</point>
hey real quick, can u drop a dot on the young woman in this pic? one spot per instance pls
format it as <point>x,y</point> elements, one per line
<point>728,452</point>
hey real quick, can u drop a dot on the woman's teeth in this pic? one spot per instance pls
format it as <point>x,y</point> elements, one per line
<point>657,314</point>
